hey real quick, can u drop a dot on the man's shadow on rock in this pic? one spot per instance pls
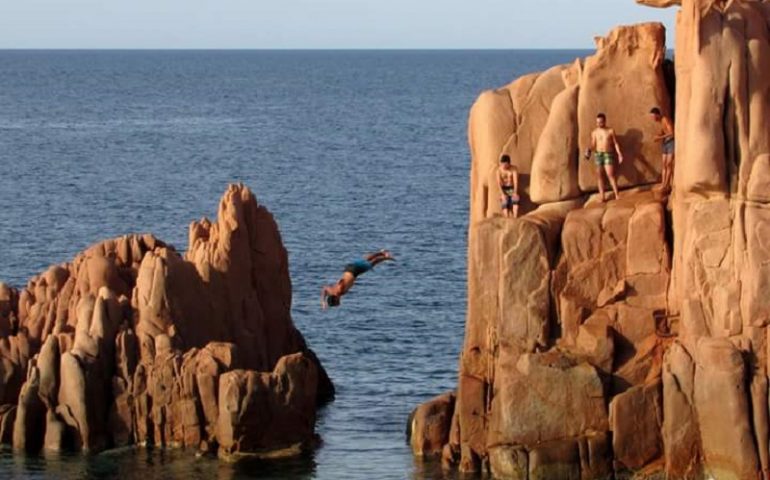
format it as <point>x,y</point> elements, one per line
<point>636,168</point>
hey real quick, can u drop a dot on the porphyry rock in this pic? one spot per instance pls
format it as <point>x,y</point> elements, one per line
<point>654,305</point>
<point>623,80</point>
<point>543,122</point>
<point>722,407</point>
<point>430,424</point>
<point>29,425</point>
<point>635,421</point>
<point>527,409</point>
<point>259,412</point>
<point>130,343</point>
<point>9,309</point>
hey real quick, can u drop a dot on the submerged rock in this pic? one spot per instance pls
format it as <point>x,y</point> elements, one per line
<point>132,343</point>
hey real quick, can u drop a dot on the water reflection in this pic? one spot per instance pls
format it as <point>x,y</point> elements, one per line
<point>430,469</point>
<point>144,464</point>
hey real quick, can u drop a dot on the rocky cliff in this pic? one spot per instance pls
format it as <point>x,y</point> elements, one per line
<point>631,336</point>
<point>133,343</point>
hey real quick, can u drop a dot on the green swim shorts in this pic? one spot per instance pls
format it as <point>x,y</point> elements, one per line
<point>604,158</point>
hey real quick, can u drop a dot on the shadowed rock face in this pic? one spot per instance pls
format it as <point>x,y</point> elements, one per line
<point>632,335</point>
<point>131,343</point>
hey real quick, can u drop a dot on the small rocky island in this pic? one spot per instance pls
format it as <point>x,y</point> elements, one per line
<point>626,339</point>
<point>132,343</point>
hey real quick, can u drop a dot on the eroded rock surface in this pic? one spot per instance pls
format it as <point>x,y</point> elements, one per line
<point>544,121</point>
<point>132,343</point>
<point>626,339</point>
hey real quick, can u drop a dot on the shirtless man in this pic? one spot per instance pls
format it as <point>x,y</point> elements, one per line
<point>667,137</point>
<point>508,179</point>
<point>331,294</point>
<point>604,144</point>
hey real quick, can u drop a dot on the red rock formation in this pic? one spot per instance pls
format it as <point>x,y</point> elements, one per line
<point>544,120</point>
<point>431,423</point>
<point>264,411</point>
<point>628,336</point>
<point>133,343</point>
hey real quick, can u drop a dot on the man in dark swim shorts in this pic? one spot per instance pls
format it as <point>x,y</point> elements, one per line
<point>669,147</point>
<point>508,180</point>
<point>331,295</point>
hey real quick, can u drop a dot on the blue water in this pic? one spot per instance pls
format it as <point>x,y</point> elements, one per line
<point>352,151</point>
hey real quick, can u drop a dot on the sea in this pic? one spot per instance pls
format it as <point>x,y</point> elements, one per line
<point>352,151</point>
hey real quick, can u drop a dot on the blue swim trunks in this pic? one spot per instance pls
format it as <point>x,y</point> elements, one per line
<point>669,146</point>
<point>509,201</point>
<point>358,267</point>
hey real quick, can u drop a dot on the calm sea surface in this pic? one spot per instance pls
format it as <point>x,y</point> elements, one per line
<point>352,151</point>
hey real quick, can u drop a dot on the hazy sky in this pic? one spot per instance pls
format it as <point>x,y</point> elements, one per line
<point>315,23</point>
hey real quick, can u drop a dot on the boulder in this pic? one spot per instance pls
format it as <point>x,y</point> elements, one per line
<point>681,433</point>
<point>429,425</point>
<point>55,433</point>
<point>584,458</point>
<point>509,309</point>
<point>265,412</point>
<point>548,397</point>
<point>555,162</point>
<point>594,270</point>
<point>636,418</point>
<point>48,366</point>
<point>509,462</point>
<point>556,459</point>
<point>9,309</point>
<point>7,421</point>
<point>723,410</point>
<point>29,424</point>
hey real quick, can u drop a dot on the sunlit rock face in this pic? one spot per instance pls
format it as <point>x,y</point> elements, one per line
<point>133,343</point>
<point>628,336</point>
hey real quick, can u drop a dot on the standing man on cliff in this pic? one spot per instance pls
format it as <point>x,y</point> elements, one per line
<point>508,180</point>
<point>604,144</point>
<point>667,137</point>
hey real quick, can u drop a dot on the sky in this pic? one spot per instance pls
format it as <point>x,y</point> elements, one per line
<point>302,24</point>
